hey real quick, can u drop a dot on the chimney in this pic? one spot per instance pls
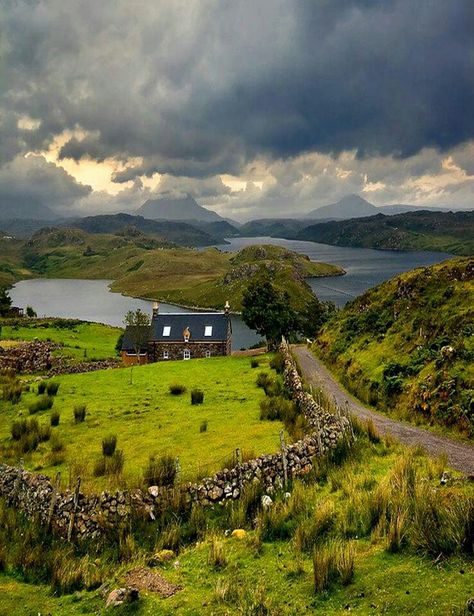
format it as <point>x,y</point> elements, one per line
<point>227,308</point>
<point>156,309</point>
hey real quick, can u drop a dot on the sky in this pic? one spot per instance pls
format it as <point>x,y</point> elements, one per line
<point>256,108</point>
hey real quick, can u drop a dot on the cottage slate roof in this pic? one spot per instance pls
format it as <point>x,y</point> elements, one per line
<point>196,322</point>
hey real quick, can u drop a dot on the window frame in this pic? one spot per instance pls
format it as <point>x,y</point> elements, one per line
<point>208,331</point>
<point>166,354</point>
<point>186,354</point>
<point>166,331</point>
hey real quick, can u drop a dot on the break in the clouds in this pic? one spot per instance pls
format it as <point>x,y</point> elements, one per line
<point>358,93</point>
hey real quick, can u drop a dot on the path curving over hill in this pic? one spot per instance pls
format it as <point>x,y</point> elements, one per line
<point>460,456</point>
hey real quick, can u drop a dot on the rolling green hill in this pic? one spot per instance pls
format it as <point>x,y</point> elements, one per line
<point>407,346</point>
<point>146,267</point>
<point>451,232</point>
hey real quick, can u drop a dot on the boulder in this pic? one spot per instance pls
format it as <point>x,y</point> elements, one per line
<point>119,596</point>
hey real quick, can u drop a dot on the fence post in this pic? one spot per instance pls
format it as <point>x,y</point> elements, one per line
<point>74,510</point>
<point>238,458</point>
<point>283,458</point>
<point>54,498</point>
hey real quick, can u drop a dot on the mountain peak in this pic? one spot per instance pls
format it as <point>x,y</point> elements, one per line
<point>177,208</point>
<point>350,206</point>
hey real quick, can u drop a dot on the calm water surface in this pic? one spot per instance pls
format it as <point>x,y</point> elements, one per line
<point>91,300</point>
<point>364,267</point>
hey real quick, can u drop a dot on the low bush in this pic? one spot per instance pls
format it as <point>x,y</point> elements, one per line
<point>109,444</point>
<point>254,362</point>
<point>80,411</point>
<point>160,471</point>
<point>43,403</point>
<point>54,418</point>
<point>197,396</point>
<point>52,388</point>
<point>176,389</point>
<point>264,380</point>
<point>203,426</point>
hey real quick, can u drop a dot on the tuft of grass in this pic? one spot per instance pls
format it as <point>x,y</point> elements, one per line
<point>197,396</point>
<point>372,432</point>
<point>217,558</point>
<point>43,403</point>
<point>332,561</point>
<point>160,471</point>
<point>80,411</point>
<point>55,418</point>
<point>12,390</point>
<point>254,362</point>
<point>109,444</point>
<point>52,388</point>
<point>176,389</point>
<point>203,426</point>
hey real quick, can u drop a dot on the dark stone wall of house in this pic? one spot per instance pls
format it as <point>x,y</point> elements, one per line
<point>197,349</point>
<point>79,516</point>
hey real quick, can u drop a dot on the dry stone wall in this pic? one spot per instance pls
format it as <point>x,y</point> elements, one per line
<point>74,515</point>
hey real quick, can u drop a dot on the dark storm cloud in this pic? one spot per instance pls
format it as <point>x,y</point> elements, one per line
<point>199,87</point>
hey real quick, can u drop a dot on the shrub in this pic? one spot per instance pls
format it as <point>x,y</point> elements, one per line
<point>52,388</point>
<point>217,556</point>
<point>160,471</point>
<point>41,388</point>
<point>197,396</point>
<point>254,363</point>
<point>176,389</point>
<point>55,417</point>
<point>109,443</point>
<point>80,413</point>
<point>203,426</point>
<point>43,403</point>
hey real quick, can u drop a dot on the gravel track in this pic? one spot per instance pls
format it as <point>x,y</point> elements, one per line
<point>460,456</point>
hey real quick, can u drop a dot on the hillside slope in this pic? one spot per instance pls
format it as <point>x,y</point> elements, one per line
<point>144,266</point>
<point>407,346</point>
<point>444,231</point>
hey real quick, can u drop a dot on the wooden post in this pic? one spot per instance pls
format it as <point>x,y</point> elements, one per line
<point>238,458</point>
<point>283,458</point>
<point>178,470</point>
<point>54,498</point>
<point>74,510</point>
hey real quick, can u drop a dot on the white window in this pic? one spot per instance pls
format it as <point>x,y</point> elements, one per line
<point>166,330</point>
<point>208,353</point>
<point>186,354</point>
<point>208,330</point>
<point>165,355</point>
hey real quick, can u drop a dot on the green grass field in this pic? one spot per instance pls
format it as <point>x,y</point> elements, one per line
<point>79,340</point>
<point>274,577</point>
<point>148,420</point>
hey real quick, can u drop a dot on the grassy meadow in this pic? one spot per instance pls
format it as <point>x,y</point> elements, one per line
<point>136,406</point>
<point>400,541</point>
<point>78,340</point>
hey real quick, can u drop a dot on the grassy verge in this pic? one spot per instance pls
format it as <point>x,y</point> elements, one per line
<point>371,531</point>
<point>78,340</point>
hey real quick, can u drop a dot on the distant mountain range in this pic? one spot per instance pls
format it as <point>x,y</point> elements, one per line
<point>25,209</point>
<point>354,206</point>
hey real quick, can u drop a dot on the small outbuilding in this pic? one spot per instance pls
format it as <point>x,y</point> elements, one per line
<point>180,335</point>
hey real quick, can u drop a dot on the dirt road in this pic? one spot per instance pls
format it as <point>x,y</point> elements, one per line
<point>460,456</point>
